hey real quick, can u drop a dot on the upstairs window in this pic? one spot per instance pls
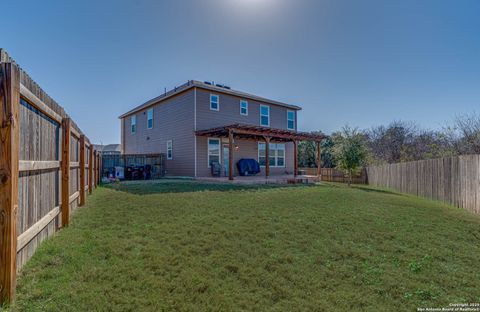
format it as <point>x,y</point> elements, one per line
<point>133,123</point>
<point>169,149</point>
<point>291,120</point>
<point>214,102</point>
<point>150,118</point>
<point>213,151</point>
<point>265,115</point>
<point>244,108</point>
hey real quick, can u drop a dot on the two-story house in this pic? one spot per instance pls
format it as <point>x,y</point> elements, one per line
<point>199,123</point>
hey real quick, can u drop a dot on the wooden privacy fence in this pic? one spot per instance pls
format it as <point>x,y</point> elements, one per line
<point>47,166</point>
<point>453,180</point>
<point>336,175</point>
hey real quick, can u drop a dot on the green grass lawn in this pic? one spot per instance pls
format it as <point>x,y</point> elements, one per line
<point>185,246</point>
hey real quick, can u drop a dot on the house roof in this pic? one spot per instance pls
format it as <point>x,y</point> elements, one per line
<point>217,88</point>
<point>258,133</point>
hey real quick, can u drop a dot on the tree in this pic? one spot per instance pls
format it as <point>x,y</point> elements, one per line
<point>389,144</point>
<point>349,151</point>
<point>469,128</point>
<point>428,144</point>
<point>404,141</point>
<point>307,153</point>
<point>328,161</point>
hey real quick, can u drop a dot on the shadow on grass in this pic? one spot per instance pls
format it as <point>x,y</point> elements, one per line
<point>375,190</point>
<point>364,188</point>
<point>186,186</point>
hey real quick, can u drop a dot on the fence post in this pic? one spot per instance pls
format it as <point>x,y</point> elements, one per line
<point>9,142</point>
<point>90,169</point>
<point>65,171</point>
<point>82,170</point>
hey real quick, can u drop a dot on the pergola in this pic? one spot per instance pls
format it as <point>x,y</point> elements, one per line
<point>257,133</point>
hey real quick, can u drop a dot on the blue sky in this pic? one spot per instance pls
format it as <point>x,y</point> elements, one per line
<point>363,63</point>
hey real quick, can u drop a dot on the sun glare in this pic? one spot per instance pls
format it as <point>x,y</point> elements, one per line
<point>249,3</point>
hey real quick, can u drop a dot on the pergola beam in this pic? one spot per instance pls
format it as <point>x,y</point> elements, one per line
<point>256,132</point>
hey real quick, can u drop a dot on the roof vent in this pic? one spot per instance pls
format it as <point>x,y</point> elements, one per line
<point>222,86</point>
<point>218,85</point>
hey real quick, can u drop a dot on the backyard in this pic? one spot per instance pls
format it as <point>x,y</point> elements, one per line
<point>186,246</point>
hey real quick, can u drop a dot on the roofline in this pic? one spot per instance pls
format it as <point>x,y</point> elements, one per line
<point>198,84</point>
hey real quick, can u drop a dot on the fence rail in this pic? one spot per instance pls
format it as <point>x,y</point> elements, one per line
<point>46,168</point>
<point>453,180</point>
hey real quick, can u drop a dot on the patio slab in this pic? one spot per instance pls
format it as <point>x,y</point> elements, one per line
<point>276,179</point>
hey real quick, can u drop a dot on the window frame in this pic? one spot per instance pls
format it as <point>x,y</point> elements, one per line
<point>169,149</point>
<point>293,120</point>
<point>246,107</point>
<point>275,155</point>
<point>133,124</point>
<point>148,119</point>
<point>219,151</point>
<point>268,115</point>
<point>218,102</point>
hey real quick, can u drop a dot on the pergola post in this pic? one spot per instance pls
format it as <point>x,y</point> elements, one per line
<point>230,154</point>
<point>319,161</point>
<point>267,157</point>
<point>295,158</point>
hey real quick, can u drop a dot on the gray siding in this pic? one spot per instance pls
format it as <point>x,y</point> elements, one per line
<point>173,120</point>
<point>229,112</point>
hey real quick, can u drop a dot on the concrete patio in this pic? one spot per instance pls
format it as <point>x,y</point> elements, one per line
<point>261,179</point>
